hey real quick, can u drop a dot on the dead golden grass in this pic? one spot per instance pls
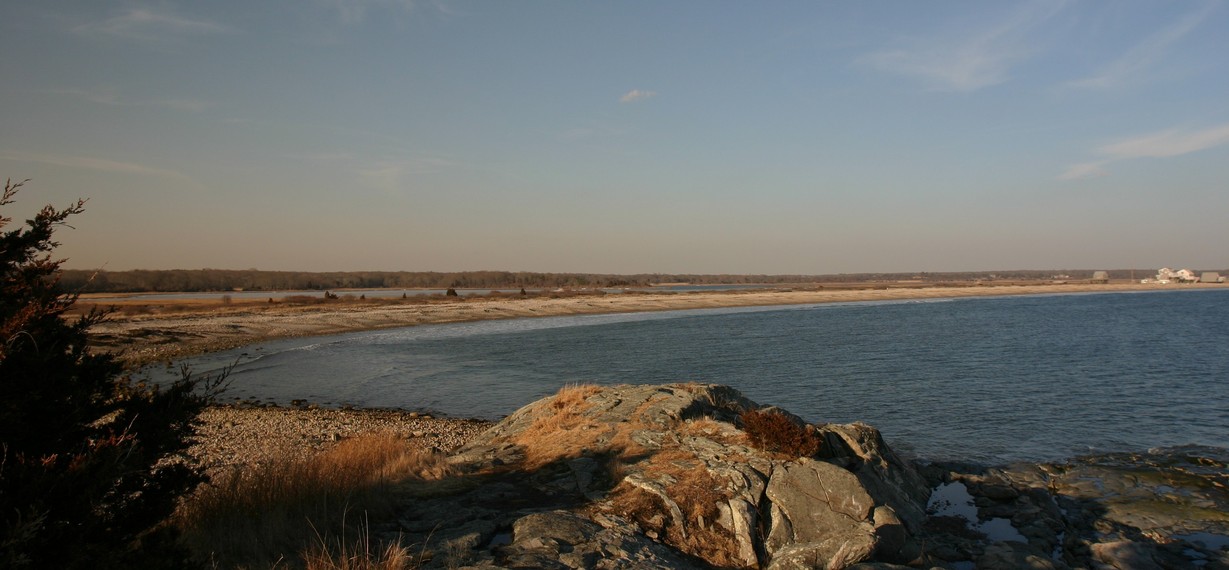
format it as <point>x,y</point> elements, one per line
<point>698,495</point>
<point>564,432</point>
<point>357,554</point>
<point>285,511</point>
<point>711,429</point>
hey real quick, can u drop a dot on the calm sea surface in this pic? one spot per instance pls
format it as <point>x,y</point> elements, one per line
<point>987,379</point>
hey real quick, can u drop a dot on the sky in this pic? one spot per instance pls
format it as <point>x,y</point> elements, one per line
<point>622,137</point>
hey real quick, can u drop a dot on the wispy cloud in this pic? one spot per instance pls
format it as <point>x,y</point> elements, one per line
<point>590,132</point>
<point>147,24</point>
<point>387,174</point>
<point>90,163</point>
<point>356,11</point>
<point>1163,144</point>
<point>1138,60</point>
<point>112,97</point>
<point>391,176</point>
<point>636,95</point>
<point>1085,170</point>
<point>967,61</point>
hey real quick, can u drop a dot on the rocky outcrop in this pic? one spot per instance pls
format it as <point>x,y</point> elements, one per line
<point>666,477</point>
<point>1165,508</point>
<point>663,477</point>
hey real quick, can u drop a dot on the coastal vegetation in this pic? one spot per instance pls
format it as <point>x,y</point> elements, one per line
<point>196,280</point>
<point>776,432</point>
<point>317,510</point>
<point>86,471</point>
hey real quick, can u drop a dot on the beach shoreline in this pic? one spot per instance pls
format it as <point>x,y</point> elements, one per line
<point>165,333</point>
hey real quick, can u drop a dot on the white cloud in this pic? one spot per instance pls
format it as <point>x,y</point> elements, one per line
<point>111,96</point>
<point>636,95</point>
<point>1167,143</point>
<point>1163,144</point>
<point>967,61</point>
<point>90,163</point>
<point>1142,57</point>
<point>964,68</point>
<point>388,175</point>
<point>355,11</point>
<point>145,24</point>
<point>1084,170</point>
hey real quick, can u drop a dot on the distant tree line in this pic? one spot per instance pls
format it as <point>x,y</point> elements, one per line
<point>86,281</point>
<point>255,280</point>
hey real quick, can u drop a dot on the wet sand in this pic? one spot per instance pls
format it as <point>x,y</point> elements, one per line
<point>168,332</point>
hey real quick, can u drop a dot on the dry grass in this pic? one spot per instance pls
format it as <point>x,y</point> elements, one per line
<point>698,495</point>
<point>289,509</point>
<point>566,431</point>
<point>340,554</point>
<point>710,429</point>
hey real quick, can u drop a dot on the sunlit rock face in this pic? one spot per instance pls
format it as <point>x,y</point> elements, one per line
<point>680,476</point>
<point>665,476</point>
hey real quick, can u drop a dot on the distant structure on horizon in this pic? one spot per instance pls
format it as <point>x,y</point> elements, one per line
<point>1100,277</point>
<point>1166,275</point>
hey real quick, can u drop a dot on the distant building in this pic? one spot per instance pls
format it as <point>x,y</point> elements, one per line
<point>1167,275</point>
<point>1100,277</point>
<point>1211,277</point>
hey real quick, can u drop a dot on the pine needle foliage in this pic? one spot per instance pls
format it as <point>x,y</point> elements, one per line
<point>87,456</point>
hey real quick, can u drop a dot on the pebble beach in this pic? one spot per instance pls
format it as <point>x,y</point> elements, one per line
<point>233,436</point>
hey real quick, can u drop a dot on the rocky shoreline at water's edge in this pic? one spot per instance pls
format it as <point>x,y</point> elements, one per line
<point>1158,508</point>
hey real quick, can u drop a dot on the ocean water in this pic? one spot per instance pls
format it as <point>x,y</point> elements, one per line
<point>983,379</point>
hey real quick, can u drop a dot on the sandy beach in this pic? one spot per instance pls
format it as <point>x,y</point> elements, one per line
<point>168,332</point>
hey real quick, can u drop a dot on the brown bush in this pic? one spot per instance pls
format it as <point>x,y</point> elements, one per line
<point>777,433</point>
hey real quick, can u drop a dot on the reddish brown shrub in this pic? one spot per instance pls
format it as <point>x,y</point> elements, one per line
<point>777,433</point>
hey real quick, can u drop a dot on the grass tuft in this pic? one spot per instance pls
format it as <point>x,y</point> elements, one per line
<point>262,515</point>
<point>357,554</point>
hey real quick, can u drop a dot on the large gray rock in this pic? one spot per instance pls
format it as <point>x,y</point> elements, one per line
<point>563,539</point>
<point>663,477</point>
<point>818,510</point>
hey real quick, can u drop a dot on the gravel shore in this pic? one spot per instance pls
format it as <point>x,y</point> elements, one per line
<point>234,436</point>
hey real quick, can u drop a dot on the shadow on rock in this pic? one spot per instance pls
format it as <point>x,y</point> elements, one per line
<point>663,477</point>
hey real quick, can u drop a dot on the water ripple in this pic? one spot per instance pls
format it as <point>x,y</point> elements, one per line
<point>991,379</point>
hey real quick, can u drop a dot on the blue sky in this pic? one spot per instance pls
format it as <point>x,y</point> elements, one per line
<point>623,137</point>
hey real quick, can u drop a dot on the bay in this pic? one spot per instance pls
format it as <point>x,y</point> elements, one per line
<point>979,379</point>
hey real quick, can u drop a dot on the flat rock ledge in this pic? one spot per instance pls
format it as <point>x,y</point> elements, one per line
<point>665,476</point>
